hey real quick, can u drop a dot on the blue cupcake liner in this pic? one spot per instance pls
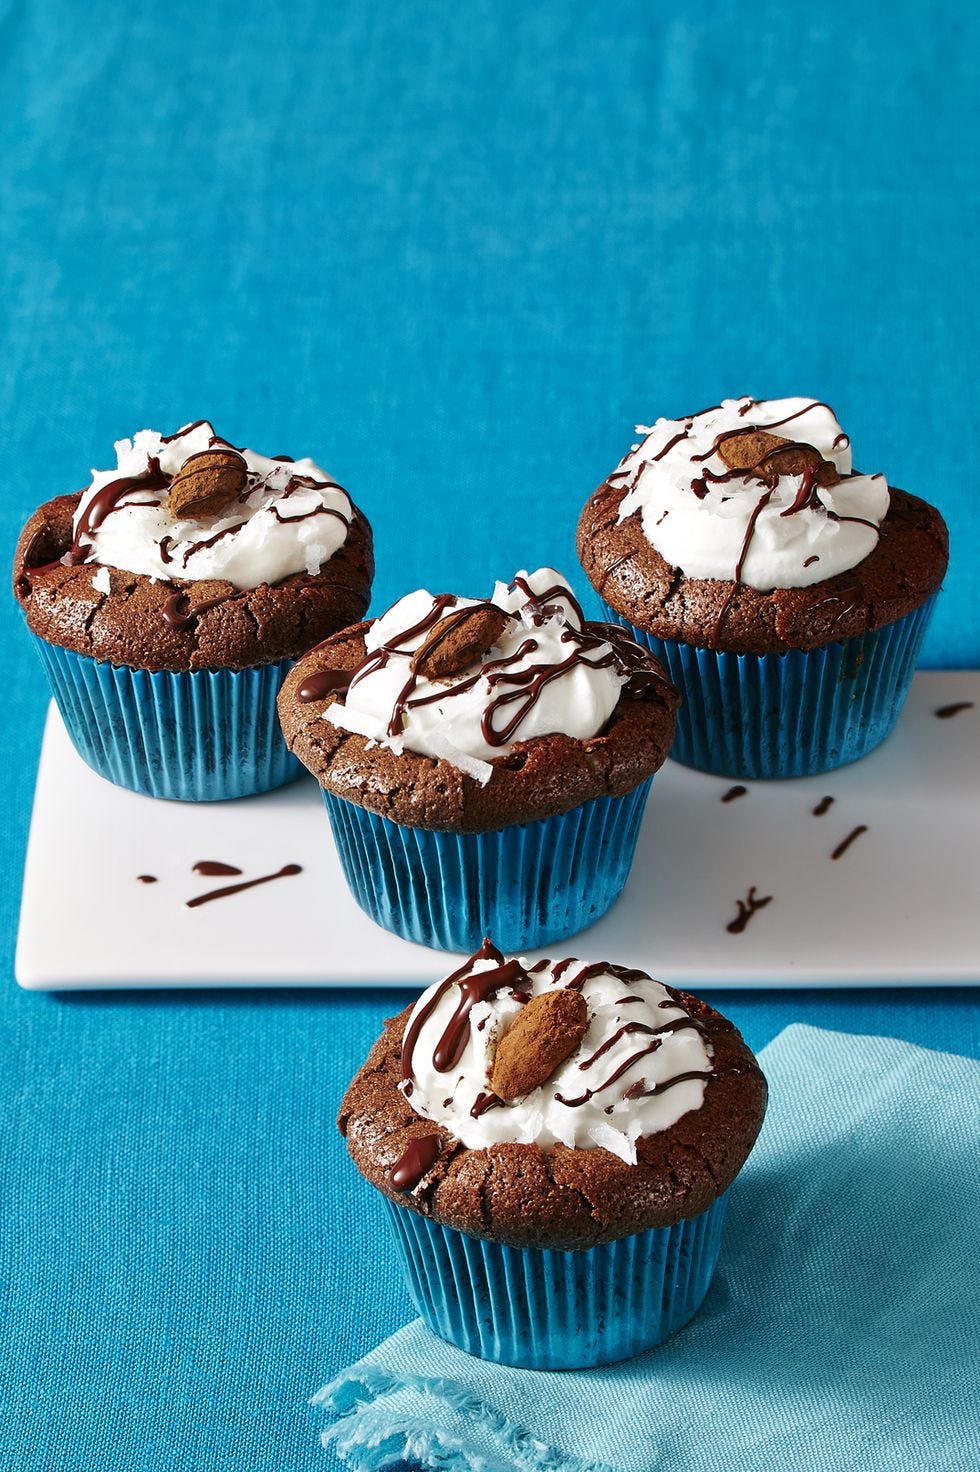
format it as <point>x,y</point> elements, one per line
<point>524,885</point>
<point>549,1310</point>
<point>193,735</point>
<point>793,714</point>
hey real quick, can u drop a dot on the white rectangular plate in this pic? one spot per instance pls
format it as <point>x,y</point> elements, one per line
<point>901,906</point>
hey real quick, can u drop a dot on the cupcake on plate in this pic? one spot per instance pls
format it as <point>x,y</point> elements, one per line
<point>787,594</point>
<point>169,598</point>
<point>485,763</point>
<point>554,1143</point>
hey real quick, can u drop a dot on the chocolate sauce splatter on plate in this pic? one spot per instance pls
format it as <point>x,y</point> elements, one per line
<point>946,712</point>
<point>746,909</point>
<point>845,844</point>
<point>823,806</point>
<point>733,792</point>
<point>285,872</point>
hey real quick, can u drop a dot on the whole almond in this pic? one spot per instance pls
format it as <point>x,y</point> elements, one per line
<point>543,1034</point>
<point>458,640</point>
<point>772,455</point>
<point>207,483</point>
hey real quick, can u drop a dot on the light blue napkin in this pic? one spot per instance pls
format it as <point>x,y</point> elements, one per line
<point>841,1331</point>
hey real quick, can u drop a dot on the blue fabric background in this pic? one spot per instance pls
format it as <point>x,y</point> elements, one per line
<point>454,251</point>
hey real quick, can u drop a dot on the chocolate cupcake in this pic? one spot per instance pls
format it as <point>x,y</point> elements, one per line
<point>169,598</point>
<point>485,764</point>
<point>787,595</point>
<point>554,1143</point>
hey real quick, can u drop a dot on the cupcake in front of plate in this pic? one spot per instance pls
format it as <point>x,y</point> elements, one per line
<point>485,763</point>
<point>554,1143</point>
<point>786,594</point>
<point>169,598</point>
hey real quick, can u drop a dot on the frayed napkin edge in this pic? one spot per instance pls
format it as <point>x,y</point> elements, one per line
<point>366,1437</point>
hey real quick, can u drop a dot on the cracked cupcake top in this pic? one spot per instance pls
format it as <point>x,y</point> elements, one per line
<point>558,1103</point>
<point>452,712</point>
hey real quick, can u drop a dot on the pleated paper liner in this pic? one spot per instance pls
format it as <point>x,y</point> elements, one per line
<point>550,1310</point>
<point>793,714</point>
<point>197,735</point>
<point>524,885</point>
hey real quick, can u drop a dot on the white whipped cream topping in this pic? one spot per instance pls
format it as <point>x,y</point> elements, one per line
<point>609,1119</point>
<point>261,549</point>
<point>577,702</point>
<point>705,537</point>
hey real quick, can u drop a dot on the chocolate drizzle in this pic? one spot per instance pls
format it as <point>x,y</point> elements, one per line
<point>640,1091</point>
<point>946,712</point>
<point>670,445</point>
<point>628,1029</point>
<point>514,692</point>
<point>212,541</point>
<point>560,975</point>
<point>484,1100</point>
<point>178,434</point>
<point>286,872</point>
<point>214,868</point>
<point>746,909</point>
<point>487,952</point>
<point>823,806</point>
<point>472,989</point>
<point>760,506</point>
<point>415,1161</point>
<point>733,792</point>
<point>146,879</point>
<point>110,499</point>
<point>305,515</point>
<point>676,1024</point>
<point>613,1077</point>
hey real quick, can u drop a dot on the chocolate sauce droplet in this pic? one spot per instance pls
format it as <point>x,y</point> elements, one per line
<point>177,612</point>
<point>214,868</point>
<point>487,952</point>
<point>733,792</point>
<point>146,879</point>
<point>418,1157</point>
<point>110,499</point>
<point>322,684</point>
<point>823,806</point>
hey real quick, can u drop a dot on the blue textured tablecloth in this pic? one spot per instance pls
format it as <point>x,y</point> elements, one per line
<point>454,251</point>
